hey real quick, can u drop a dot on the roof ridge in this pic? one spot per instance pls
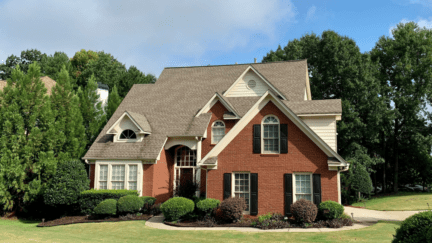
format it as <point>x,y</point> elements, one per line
<point>237,64</point>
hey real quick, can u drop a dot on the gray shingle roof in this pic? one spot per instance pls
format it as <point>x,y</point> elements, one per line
<point>333,106</point>
<point>48,82</point>
<point>170,105</point>
<point>141,120</point>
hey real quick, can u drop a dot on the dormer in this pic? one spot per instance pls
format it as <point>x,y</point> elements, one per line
<point>130,128</point>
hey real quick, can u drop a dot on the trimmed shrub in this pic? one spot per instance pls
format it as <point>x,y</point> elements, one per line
<point>148,200</point>
<point>129,204</point>
<point>304,211</point>
<point>271,221</point>
<point>207,205</point>
<point>91,198</point>
<point>66,185</point>
<point>106,207</point>
<point>177,207</point>
<point>233,208</point>
<point>330,210</point>
<point>415,228</point>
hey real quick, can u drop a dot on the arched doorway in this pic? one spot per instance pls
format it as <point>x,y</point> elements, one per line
<point>185,166</point>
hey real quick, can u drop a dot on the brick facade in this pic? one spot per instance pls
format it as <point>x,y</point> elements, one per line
<point>92,175</point>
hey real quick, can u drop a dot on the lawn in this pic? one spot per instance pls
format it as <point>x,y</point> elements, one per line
<point>136,231</point>
<point>402,201</point>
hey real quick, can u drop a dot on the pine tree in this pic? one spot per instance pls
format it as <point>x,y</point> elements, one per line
<point>70,138</point>
<point>114,101</point>
<point>27,161</point>
<point>91,110</point>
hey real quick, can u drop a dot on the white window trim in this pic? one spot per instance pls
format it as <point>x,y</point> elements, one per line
<point>262,135</point>
<point>233,187</point>
<point>294,184</point>
<point>140,173</point>
<point>212,137</point>
<point>139,138</point>
<point>195,169</point>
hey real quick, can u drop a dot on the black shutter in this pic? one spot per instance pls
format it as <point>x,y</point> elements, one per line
<point>254,194</point>
<point>227,185</point>
<point>257,139</point>
<point>283,138</point>
<point>288,193</point>
<point>317,189</point>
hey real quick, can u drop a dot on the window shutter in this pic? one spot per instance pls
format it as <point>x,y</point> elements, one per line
<point>227,185</point>
<point>288,193</point>
<point>257,139</point>
<point>317,189</point>
<point>254,194</point>
<point>283,138</point>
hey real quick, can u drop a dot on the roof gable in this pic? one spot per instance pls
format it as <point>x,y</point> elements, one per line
<point>129,120</point>
<point>225,102</point>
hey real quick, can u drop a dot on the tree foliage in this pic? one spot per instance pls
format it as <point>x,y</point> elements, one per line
<point>27,57</point>
<point>114,101</point>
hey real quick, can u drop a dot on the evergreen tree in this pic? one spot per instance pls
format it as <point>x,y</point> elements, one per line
<point>27,57</point>
<point>70,138</point>
<point>27,138</point>
<point>131,77</point>
<point>114,101</point>
<point>52,65</point>
<point>91,110</point>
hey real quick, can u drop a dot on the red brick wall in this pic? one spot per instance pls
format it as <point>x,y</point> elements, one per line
<point>163,174</point>
<point>92,175</point>
<point>148,180</point>
<point>303,156</point>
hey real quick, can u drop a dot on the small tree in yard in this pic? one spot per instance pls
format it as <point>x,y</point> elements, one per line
<point>357,180</point>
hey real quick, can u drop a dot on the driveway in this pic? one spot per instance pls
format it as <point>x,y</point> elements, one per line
<point>366,215</point>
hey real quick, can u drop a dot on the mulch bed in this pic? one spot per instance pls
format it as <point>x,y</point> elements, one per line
<point>90,219</point>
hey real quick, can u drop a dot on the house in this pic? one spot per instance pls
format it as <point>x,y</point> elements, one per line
<point>246,130</point>
<point>47,81</point>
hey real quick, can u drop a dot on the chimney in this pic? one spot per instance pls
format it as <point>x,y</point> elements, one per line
<point>255,60</point>
<point>236,63</point>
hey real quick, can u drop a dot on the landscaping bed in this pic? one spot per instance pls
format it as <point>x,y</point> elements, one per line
<point>92,219</point>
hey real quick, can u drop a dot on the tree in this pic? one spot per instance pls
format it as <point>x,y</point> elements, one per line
<point>114,101</point>
<point>404,64</point>
<point>131,77</point>
<point>69,124</point>
<point>27,161</point>
<point>27,57</point>
<point>91,111</point>
<point>52,65</point>
<point>79,62</point>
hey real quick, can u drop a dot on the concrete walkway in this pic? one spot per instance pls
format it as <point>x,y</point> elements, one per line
<point>373,216</point>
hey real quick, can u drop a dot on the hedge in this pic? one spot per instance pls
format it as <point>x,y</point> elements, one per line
<point>106,207</point>
<point>129,204</point>
<point>91,198</point>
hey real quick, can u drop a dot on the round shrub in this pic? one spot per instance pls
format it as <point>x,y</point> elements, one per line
<point>304,211</point>
<point>207,205</point>
<point>330,210</point>
<point>129,204</point>
<point>106,207</point>
<point>177,207</point>
<point>148,200</point>
<point>415,228</point>
<point>233,208</point>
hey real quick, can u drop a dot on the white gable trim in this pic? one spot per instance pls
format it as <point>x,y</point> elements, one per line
<point>240,125</point>
<point>213,101</point>
<point>259,75</point>
<point>121,118</point>
<point>308,91</point>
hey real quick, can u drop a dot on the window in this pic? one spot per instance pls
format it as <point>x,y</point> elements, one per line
<point>270,134</point>
<point>119,175</point>
<point>103,177</point>
<point>185,165</point>
<point>133,169</point>
<point>242,187</point>
<point>218,131</point>
<point>303,186</point>
<point>128,134</point>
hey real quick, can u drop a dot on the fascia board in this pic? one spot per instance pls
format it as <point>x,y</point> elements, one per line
<point>268,83</point>
<point>131,118</point>
<point>210,103</point>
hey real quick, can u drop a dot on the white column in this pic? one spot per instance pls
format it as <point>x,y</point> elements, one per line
<point>198,169</point>
<point>339,188</point>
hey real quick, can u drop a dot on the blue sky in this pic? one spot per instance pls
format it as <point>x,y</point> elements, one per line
<point>152,35</point>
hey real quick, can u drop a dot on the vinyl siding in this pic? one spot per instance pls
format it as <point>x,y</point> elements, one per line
<point>325,127</point>
<point>241,89</point>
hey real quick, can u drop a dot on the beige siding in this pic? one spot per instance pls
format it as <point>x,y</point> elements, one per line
<point>241,88</point>
<point>325,127</point>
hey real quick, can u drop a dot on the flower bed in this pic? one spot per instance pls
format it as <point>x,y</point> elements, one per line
<point>91,219</point>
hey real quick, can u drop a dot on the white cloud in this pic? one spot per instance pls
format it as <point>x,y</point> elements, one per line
<point>426,3</point>
<point>422,23</point>
<point>310,13</point>
<point>146,34</point>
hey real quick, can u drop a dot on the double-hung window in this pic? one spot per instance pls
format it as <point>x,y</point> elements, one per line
<point>118,175</point>
<point>218,131</point>
<point>270,134</point>
<point>242,187</point>
<point>303,186</point>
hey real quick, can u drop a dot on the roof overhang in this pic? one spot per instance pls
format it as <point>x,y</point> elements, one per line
<point>217,97</point>
<point>337,115</point>
<point>111,130</point>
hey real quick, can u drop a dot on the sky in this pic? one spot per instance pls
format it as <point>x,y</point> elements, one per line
<point>152,35</point>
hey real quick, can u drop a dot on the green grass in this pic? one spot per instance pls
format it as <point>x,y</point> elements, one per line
<point>136,231</point>
<point>402,201</point>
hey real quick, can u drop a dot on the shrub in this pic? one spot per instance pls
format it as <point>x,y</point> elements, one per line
<point>304,211</point>
<point>91,198</point>
<point>330,210</point>
<point>66,185</point>
<point>414,228</point>
<point>176,207</point>
<point>187,189</point>
<point>271,221</point>
<point>207,205</point>
<point>148,200</point>
<point>345,216</point>
<point>232,208</point>
<point>106,207</point>
<point>129,204</point>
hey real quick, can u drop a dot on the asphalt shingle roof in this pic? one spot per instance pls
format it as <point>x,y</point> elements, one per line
<point>48,82</point>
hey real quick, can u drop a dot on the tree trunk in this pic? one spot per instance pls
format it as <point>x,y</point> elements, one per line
<point>396,153</point>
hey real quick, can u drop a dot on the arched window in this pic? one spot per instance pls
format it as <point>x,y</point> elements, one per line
<point>128,134</point>
<point>270,134</point>
<point>218,131</point>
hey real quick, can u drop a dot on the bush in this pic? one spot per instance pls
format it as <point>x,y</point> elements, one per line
<point>91,198</point>
<point>207,205</point>
<point>232,208</point>
<point>330,210</point>
<point>414,228</point>
<point>304,211</point>
<point>66,185</point>
<point>187,189</point>
<point>271,221</point>
<point>148,200</point>
<point>129,204</point>
<point>106,207</point>
<point>177,207</point>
